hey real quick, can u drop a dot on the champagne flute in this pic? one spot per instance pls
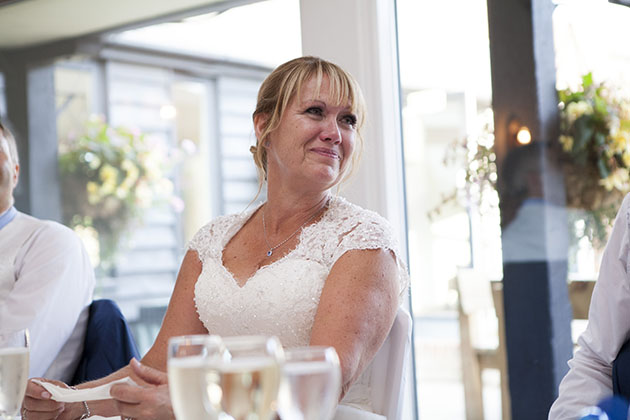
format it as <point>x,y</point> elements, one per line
<point>14,356</point>
<point>245,384</point>
<point>311,384</point>
<point>189,357</point>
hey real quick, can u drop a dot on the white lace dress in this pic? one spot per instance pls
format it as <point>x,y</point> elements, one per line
<point>281,298</point>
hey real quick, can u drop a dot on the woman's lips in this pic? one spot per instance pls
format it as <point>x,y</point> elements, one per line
<point>326,152</point>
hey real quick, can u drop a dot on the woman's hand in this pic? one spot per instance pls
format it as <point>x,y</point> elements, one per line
<point>38,405</point>
<point>150,401</point>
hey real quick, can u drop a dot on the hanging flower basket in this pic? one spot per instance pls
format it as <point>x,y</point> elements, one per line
<point>108,177</point>
<point>594,154</point>
<point>595,142</point>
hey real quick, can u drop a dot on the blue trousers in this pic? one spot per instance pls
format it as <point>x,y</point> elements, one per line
<point>621,372</point>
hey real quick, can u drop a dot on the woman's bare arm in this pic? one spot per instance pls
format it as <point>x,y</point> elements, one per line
<point>357,308</point>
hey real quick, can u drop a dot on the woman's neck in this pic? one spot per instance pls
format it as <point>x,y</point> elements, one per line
<point>284,209</point>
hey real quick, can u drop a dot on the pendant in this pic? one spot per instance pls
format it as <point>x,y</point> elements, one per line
<point>269,252</point>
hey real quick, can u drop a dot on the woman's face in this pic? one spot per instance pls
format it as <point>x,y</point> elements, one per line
<point>315,139</point>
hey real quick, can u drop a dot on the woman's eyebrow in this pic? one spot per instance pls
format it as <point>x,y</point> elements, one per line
<point>311,101</point>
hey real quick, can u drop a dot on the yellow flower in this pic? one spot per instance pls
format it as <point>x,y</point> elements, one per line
<point>92,190</point>
<point>132,174</point>
<point>620,141</point>
<point>626,158</point>
<point>566,142</point>
<point>92,187</point>
<point>108,174</point>
<point>618,179</point>
<point>576,109</point>
<point>107,188</point>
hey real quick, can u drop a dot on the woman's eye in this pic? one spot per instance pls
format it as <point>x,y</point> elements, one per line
<point>315,111</point>
<point>350,120</point>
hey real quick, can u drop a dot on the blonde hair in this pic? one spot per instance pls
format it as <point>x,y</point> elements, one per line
<point>12,144</point>
<point>285,83</point>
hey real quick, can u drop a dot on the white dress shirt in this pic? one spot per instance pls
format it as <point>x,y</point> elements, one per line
<point>590,376</point>
<point>46,285</point>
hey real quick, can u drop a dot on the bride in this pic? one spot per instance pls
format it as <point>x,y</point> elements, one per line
<point>306,266</point>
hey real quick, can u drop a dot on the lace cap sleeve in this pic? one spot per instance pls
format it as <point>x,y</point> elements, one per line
<point>210,239</point>
<point>201,242</point>
<point>368,230</point>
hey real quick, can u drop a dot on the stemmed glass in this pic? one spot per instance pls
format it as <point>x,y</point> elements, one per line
<point>311,384</point>
<point>244,385</point>
<point>189,358</point>
<point>14,356</point>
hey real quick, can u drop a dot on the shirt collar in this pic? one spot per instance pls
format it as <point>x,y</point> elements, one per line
<point>7,216</point>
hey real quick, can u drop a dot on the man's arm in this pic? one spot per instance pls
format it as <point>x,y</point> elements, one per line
<point>54,282</point>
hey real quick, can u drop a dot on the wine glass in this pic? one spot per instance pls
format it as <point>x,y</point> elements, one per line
<point>311,383</point>
<point>244,385</point>
<point>189,357</point>
<point>14,356</point>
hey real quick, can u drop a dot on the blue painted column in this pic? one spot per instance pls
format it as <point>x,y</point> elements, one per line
<point>537,308</point>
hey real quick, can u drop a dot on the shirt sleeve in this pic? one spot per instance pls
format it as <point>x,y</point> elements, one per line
<point>589,379</point>
<point>54,282</point>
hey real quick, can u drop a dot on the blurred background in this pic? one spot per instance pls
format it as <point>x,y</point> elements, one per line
<point>183,89</point>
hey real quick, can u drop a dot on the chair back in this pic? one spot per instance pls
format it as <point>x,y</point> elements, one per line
<point>388,368</point>
<point>109,344</point>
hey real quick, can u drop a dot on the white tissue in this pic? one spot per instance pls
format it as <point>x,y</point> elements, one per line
<point>86,394</point>
<point>104,418</point>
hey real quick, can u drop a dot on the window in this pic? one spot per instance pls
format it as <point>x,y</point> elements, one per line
<point>446,93</point>
<point>199,100</point>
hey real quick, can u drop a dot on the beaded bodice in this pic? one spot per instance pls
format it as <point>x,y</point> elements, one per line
<point>281,298</point>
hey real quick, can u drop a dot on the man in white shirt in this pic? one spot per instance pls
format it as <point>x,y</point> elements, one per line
<point>590,378</point>
<point>46,279</point>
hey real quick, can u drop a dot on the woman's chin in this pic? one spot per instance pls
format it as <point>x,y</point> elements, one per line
<point>327,178</point>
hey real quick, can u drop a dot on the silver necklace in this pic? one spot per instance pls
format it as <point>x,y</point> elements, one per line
<point>272,248</point>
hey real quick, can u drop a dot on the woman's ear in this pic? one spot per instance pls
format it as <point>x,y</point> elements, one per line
<point>260,123</point>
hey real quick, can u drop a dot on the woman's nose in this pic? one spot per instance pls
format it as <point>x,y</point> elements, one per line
<point>331,131</point>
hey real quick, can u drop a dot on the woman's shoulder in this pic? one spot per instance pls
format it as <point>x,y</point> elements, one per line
<point>351,215</point>
<point>344,209</point>
<point>218,223</point>
<point>212,233</point>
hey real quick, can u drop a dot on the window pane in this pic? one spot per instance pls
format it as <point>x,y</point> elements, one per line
<point>445,78</point>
